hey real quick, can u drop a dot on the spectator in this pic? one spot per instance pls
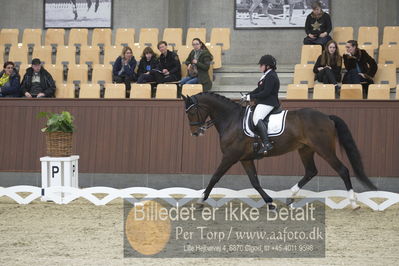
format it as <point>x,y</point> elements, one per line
<point>9,81</point>
<point>123,68</point>
<point>169,67</point>
<point>198,63</point>
<point>328,66</point>
<point>360,66</point>
<point>37,82</point>
<point>148,62</point>
<point>317,26</point>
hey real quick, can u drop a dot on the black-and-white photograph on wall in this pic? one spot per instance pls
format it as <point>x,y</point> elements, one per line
<point>255,14</point>
<point>78,13</point>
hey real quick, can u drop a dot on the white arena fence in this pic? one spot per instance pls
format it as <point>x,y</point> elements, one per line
<point>180,195</point>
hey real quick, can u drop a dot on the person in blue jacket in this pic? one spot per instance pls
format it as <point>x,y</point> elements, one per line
<point>9,81</point>
<point>123,68</point>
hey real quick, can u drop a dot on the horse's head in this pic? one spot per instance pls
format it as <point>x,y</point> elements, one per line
<point>197,115</point>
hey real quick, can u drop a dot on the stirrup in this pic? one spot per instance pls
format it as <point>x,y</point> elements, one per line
<point>265,148</point>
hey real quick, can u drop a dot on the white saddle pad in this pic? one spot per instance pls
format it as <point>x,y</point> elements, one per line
<point>275,127</point>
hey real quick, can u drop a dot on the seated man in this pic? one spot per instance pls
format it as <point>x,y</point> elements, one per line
<point>169,68</point>
<point>37,82</point>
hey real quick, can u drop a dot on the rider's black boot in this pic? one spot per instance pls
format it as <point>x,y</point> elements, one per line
<point>262,131</point>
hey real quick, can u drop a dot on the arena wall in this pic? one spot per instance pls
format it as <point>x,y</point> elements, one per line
<point>153,137</point>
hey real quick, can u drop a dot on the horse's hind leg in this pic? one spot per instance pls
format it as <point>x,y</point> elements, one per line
<point>307,157</point>
<point>342,170</point>
<point>250,169</point>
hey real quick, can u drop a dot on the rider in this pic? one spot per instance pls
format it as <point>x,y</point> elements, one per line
<point>266,98</point>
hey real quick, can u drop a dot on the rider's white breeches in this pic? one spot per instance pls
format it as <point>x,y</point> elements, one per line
<point>261,111</point>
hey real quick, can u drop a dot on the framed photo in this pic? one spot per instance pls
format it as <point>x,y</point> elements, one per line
<point>258,14</point>
<point>78,13</point>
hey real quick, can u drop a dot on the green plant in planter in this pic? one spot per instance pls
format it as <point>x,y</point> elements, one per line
<point>62,122</point>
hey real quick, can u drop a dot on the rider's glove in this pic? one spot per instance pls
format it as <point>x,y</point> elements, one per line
<point>246,97</point>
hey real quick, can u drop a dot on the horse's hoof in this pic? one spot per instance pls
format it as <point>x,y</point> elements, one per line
<point>355,207</point>
<point>289,201</point>
<point>274,23</point>
<point>199,205</point>
<point>292,23</point>
<point>271,207</point>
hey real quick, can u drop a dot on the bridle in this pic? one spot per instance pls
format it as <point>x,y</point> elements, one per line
<point>202,126</point>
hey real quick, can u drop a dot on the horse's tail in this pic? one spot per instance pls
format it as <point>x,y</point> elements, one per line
<point>346,140</point>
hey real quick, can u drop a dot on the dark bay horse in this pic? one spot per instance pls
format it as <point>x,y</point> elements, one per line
<point>307,130</point>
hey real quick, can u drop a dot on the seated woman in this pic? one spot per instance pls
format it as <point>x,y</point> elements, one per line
<point>317,26</point>
<point>328,65</point>
<point>148,61</point>
<point>360,66</point>
<point>123,68</point>
<point>198,63</point>
<point>9,81</point>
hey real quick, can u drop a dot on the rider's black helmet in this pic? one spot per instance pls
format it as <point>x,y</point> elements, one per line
<point>268,60</point>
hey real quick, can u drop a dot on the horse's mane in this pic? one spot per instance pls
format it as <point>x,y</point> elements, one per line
<point>221,98</point>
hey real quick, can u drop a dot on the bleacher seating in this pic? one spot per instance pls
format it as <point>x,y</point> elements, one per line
<point>195,33</point>
<point>368,36</point>
<point>342,34</point>
<point>32,37</point>
<point>89,91</point>
<point>66,55</point>
<point>102,73</point>
<point>89,55</point>
<point>138,50</point>
<point>101,37</point>
<point>57,72</point>
<point>324,91</point>
<point>173,36</point>
<point>22,70</point>
<point>191,89</point>
<point>303,74</point>
<point>65,91</point>
<point>310,53</point>
<point>391,35</point>
<point>351,92</point>
<point>378,92</point>
<point>19,54</point>
<point>386,74</point>
<point>140,91</point>
<point>297,91</point>
<point>55,37</point>
<point>111,53</point>
<point>389,54</point>
<point>125,36</point>
<point>149,37</point>
<point>43,53</point>
<point>114,91</point>
<point>216,52</point>
<point>78,37</point>
<point>77,73</point>
<point>9,37</point>
<point>166,91</point>
<point>221,37</point>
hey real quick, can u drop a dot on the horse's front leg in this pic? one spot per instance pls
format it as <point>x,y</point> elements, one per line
<point>224,165</point>
<point>250,169</point>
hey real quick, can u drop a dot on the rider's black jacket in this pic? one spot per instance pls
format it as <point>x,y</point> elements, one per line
<point>267,90</point>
